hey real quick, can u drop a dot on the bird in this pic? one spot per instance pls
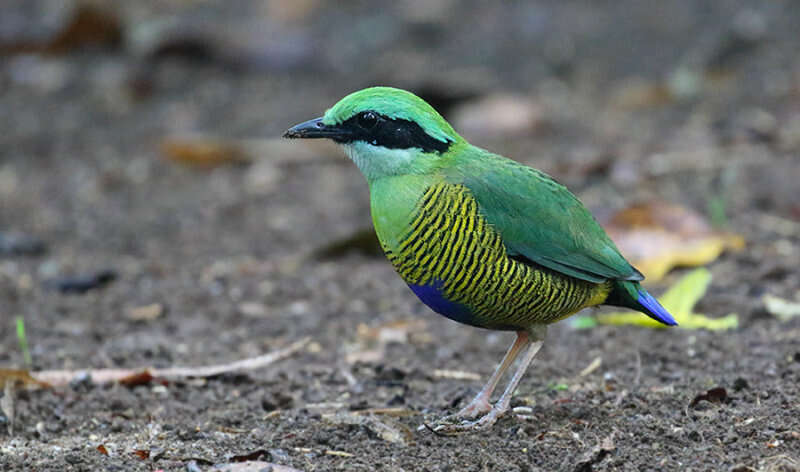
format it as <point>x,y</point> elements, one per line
<point>478,237</point>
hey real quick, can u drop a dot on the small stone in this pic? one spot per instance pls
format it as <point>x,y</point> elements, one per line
<point>252,309</point>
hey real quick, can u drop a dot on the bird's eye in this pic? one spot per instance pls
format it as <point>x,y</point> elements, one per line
<point>367,120</point>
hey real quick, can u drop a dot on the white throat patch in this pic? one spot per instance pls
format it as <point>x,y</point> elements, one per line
<point>377,161</point>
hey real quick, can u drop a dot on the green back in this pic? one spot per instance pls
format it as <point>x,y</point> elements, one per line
<point>538,218</point>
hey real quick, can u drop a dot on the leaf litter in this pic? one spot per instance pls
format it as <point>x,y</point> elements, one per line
<point>658,236</point>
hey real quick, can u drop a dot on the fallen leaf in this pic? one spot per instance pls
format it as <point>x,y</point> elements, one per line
<point>714,395</point>
<point>203,152</point>
<point>679,300</point>
<point>781,308</point>
<point>141,454</point>
<point>658,236</point>
<point>137,378</point>
<point>86,25</point>
<point>498,115</point>
<point>102,450</point>
<point>639,93</point>
<point>146,312</point>
<point>22,377</point>
<point>398,331</point>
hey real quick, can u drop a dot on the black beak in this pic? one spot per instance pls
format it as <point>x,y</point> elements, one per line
<point>314,129</point>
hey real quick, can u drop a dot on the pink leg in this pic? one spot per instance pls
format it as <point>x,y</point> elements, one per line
<point>502,405</point>
<point>480,404</point>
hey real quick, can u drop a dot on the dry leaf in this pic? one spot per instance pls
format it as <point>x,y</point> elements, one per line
<point>87,25</point>
<point>497,115</point>
<point>141,454</point>
<point>657,236</point>
<point>782,309</point>
<point>714,395</point>
<point>397,331</point>
<point>640,93</point>
<point>145,312</point>
<point>20,376</point>
<point>203,152</point>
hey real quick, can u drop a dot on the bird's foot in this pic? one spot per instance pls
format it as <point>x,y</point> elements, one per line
<point>484,422</point>
<point>477,407</point>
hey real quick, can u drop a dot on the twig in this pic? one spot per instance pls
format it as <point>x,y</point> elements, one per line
<point>104,376</point>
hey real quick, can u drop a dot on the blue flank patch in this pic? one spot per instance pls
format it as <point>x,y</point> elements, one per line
<point>655,310</point>
<point>432,296</point>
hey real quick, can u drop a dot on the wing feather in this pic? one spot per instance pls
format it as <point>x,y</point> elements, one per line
<point>540,220</point>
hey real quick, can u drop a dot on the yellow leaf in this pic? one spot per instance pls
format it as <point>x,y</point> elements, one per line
<point>658,236</point>
<point>679,300</point>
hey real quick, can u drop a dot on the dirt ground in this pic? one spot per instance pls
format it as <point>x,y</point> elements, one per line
<point>695,103</point>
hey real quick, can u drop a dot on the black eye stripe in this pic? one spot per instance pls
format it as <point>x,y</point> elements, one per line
<point>389,133</point>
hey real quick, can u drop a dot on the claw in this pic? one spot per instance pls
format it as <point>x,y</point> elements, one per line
<point>484,422</point>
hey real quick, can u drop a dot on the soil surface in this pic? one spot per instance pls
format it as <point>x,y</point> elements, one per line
<point>694,103</point>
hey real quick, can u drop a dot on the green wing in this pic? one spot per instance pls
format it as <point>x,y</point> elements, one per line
<point>539,219</point>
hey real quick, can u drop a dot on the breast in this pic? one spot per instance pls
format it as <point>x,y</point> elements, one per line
<point>457,264</point>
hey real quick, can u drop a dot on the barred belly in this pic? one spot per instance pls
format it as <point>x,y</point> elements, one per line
<point>457,264</point>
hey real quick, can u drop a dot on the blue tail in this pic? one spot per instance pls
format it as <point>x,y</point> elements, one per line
<point>654,309</point>
<point>630,294</point>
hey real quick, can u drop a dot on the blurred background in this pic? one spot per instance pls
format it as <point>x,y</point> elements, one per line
<point>151,215</point>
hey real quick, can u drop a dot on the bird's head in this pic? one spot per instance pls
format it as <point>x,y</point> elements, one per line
<point>385,131</point>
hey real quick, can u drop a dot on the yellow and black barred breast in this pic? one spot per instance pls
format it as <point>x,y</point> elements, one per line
<point>456,262</point>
